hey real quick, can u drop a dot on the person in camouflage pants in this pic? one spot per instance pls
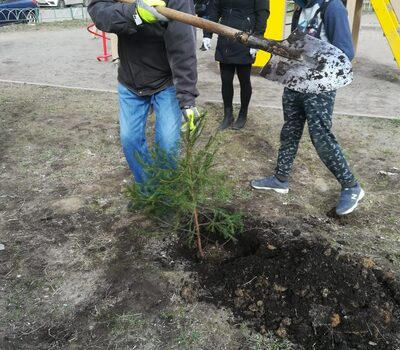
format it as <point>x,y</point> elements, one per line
<point>317,110</point>
<point>328,21</point>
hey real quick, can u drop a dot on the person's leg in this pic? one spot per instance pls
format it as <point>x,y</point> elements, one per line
<point>132,120</point>
<point>227,72</point>
<point>168,126</point>
<point>204,31</point>
<point>319,110</point>
<point>292,130</point>
<point>114,48</point>
<point>243,73</point>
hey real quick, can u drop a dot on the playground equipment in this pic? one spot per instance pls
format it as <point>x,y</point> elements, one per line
<point>387,12</point>
<point>106,55</point>
<point>275,28</point>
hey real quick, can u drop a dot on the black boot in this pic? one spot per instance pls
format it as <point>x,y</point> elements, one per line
<point>241,120</point>
<point>228,118</point>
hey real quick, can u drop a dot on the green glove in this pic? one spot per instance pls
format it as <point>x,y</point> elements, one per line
<point>191,120</point>
<point>147,12</point>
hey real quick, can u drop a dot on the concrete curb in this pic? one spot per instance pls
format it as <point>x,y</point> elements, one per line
<point>339,113</point>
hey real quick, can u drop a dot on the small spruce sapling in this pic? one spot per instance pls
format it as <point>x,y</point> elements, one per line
<point>183,191</point>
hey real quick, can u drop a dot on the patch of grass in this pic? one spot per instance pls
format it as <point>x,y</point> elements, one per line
<point>167,315</point>
<point>244,193</point>
<point>188,340</point>
<point>129,331</point>
<point>392,220</point>
<point>270,342</point>
<point>26,304</point>
<point>126,323</point>
<point>149,233</point>
<point>395,122</point>
<point>188,335</point>
<point>388,152</point>
<point>221,187</point>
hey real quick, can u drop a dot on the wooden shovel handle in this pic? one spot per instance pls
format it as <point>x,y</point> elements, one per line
<point>199,22</point>
<point>244,38</point>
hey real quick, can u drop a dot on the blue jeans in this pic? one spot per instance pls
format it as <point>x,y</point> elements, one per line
<point>134,110</point>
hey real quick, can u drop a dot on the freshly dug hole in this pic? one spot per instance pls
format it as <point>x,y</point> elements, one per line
<point>306,291</point>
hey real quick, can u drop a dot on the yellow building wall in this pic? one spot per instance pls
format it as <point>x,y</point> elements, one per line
<point>275,28</point>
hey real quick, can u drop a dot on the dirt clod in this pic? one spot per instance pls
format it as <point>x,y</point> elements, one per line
<point>335,320</point>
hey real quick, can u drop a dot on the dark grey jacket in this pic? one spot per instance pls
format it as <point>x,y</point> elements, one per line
<point>152,56</point>
<point>245,15</point>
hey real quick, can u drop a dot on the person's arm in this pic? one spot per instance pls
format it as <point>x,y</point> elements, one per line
<point>337,27</point>
<point>180,43</point>
<point>214,14</point>
<point>262,13</point>
<point>113,17</point>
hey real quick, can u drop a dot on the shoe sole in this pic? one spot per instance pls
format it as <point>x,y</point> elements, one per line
<point>279,190</point>
<point>350,210</point>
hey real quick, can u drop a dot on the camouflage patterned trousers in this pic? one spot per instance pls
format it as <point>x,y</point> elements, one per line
<point>317,110</point>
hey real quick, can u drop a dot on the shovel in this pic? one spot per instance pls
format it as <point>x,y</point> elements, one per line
<point>300,62</point>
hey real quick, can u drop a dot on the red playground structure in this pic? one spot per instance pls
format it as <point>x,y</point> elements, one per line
<point>106,55</point>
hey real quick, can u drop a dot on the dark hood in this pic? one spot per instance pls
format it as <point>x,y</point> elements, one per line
<point>307,3</point>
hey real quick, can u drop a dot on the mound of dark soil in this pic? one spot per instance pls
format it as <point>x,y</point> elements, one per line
<point>306,290</point>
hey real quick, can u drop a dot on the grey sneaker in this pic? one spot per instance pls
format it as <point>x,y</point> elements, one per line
<point>349,198</point>
<point>270,183</point>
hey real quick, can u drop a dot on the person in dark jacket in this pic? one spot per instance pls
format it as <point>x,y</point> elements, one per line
<point>202,9</point>
<point>157,68</point>
<point>249,16</point>
<point>327,20</point>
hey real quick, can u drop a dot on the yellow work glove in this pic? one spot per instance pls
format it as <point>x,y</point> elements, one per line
<point>147,12</point>
<point>191,120</point>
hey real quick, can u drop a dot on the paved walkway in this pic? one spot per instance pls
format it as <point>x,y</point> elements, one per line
<point>67,57</point>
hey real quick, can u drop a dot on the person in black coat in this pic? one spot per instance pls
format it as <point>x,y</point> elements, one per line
<point>201,8</point>
<point>249,16</point>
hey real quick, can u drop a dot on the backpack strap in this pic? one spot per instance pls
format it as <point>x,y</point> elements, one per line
<point>314,26</point>
<point>295,18</point>
<point>321,12</point>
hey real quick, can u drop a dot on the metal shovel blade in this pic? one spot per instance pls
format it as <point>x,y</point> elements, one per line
<point>320,67</point>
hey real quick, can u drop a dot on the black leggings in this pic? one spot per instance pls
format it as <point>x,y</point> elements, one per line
<point>227,74</point>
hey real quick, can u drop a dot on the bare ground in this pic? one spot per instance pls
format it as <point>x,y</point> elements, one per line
<point>80,272</point>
